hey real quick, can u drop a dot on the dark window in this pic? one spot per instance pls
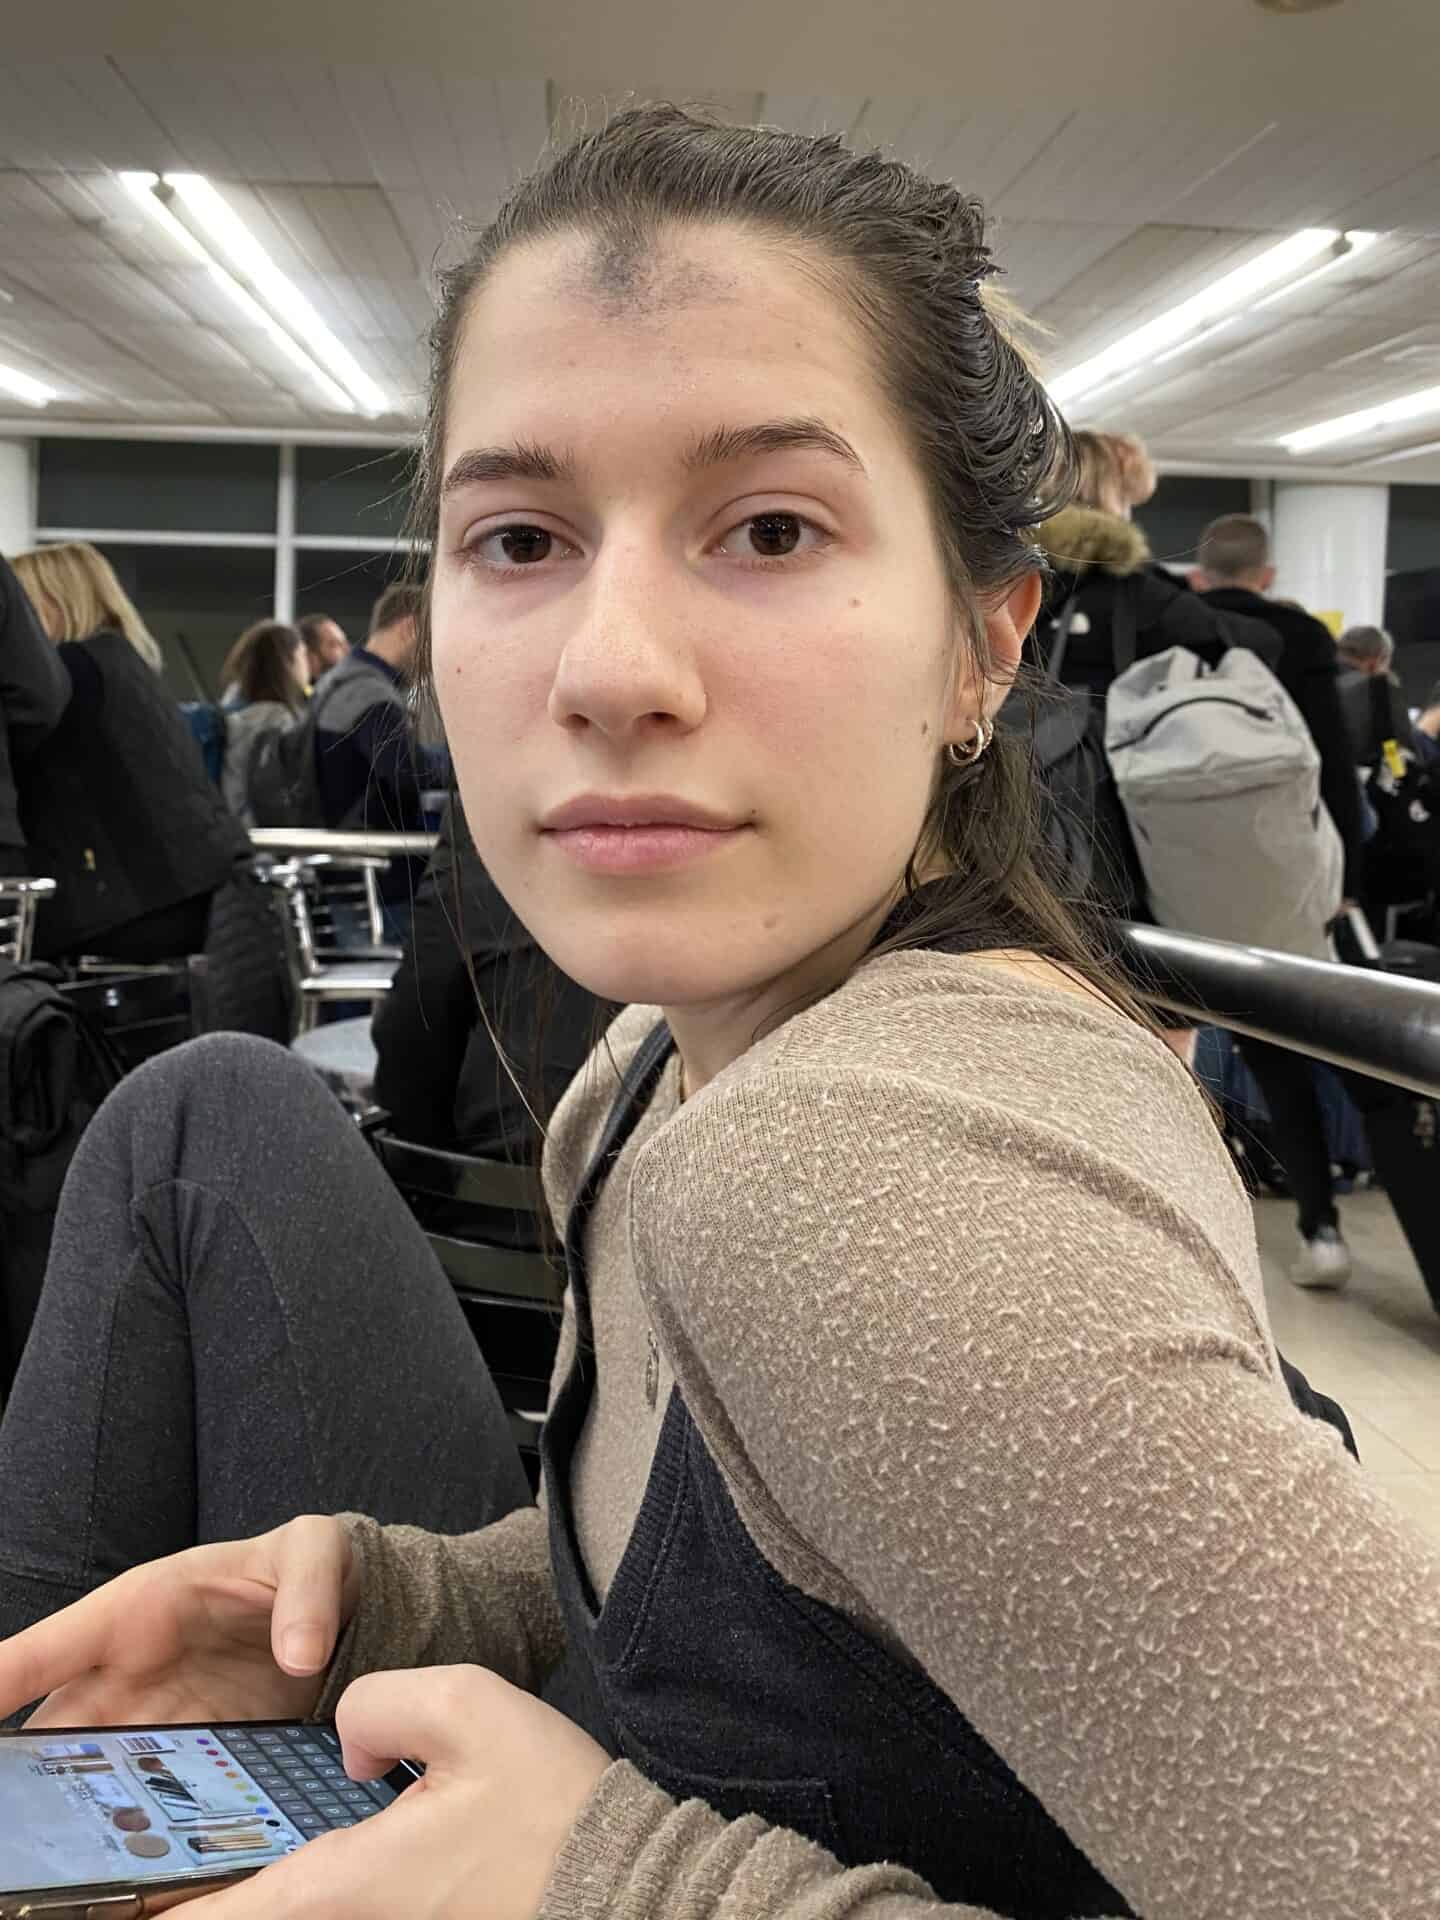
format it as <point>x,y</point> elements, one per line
<point>362,491</point>
<point>196,601</point>
<point>1183,506</point>
<point>1413,541</point>
<point>345,585</point>
<point>1412,618</point>
<point>157,486</point>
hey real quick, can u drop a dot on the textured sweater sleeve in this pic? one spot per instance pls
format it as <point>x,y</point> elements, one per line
<point>981,1340</point>
<point>428,1599</point>
<point>635,1854</point>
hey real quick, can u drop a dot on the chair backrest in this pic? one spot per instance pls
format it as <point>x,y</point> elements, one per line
<point>19,900</point>
<point>319,889</point>
<point>344,897</point>
<point>482,1220</point>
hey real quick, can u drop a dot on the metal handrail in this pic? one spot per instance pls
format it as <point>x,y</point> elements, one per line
<point>322,840</point>
<point>1356,1018</point>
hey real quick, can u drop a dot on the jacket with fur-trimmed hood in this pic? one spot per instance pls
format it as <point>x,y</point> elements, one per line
<point>1097,556</point>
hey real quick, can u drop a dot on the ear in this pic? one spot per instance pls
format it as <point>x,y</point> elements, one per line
<point>1267,579</point>
<point>1007,626</point>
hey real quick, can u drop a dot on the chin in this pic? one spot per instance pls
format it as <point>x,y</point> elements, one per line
<point>671,964</point>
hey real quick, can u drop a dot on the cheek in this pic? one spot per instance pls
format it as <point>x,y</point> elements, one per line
<point>855,709</point>
<point>488,692</point>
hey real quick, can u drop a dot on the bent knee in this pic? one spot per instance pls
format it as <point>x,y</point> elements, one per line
<point>236,1069</point>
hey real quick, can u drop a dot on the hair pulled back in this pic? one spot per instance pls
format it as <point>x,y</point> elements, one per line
<point>909,256</point>
<point>261,664</point>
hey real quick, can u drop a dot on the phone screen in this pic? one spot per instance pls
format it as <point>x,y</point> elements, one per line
<point>139,1805</point>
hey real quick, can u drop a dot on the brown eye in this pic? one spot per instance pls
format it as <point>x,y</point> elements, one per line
<point>773,535</point>
<point>523,546</point>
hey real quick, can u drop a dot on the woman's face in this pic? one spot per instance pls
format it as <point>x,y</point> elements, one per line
<point>686,578</point>
<point>300,666</point>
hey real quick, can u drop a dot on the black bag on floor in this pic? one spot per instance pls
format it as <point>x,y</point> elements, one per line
<point>55,1069</point>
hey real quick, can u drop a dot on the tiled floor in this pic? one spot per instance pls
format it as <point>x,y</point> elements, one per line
<point>1375,1347</point>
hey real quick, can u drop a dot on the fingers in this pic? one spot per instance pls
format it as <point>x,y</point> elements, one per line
<point>313,1575</point>
<point>435,1715</point>
<point>291,1889</point>
<point>45,1656</point>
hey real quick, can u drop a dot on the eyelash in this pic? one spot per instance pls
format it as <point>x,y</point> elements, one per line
<point>469,554</point>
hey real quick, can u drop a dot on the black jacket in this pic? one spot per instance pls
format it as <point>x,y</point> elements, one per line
<point>115,803</point>
<point>1095,557</point>
<point>371,768</point>
<point>34,693</point>
<point>438,1074</point>
<point>1308,669</point>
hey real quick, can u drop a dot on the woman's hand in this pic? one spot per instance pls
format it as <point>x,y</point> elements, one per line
<point>241,1631</point>
<point>476,1839</point>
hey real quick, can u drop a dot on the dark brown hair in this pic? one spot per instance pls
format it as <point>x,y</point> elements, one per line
<point>259,664</point>
<point>909,257</point>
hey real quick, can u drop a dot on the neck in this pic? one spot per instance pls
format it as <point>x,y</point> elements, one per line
<point>710,1034</point>
<point>1245,583</point>
<point>392,646</point>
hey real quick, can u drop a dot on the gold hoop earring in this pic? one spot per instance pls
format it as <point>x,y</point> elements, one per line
<point>967,755</point>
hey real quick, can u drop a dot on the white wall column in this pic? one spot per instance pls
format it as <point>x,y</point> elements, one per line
<point>17,495</point>
<point>1329,549</point>
<point>285,535</point>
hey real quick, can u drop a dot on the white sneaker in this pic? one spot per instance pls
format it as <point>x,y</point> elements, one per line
<point>1324,1263</point>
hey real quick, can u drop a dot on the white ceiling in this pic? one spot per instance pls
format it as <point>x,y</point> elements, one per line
<point>1128,158</point>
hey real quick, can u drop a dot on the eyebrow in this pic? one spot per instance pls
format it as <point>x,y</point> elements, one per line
<point>524,461</point>
<point>771,436</point>
<point>528,461</point>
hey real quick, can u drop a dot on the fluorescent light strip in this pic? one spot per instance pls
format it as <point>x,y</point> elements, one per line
<point>33,392</point>
<point>1196,339</point>
<point>1230,292</point>
<point>1351,426</point>
<point>141,187</point>
<point>220,223</point>
<point>1357,243</point>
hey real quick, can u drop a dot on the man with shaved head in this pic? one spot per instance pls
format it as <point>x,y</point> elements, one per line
<point>1235,573</point>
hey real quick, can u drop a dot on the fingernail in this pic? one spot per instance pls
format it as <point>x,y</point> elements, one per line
<point>303,1648</point>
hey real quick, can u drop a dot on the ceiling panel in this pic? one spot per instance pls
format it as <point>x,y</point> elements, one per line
<point>358,178</point>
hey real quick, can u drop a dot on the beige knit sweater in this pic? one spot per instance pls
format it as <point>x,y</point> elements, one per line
<point>962,1293</point>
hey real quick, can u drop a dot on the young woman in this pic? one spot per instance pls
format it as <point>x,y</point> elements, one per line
<point>266,677</point>
<point>115,803</point>
<point>923,1500</point>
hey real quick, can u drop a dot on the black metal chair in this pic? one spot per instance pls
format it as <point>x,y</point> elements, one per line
<point>483,1219</point>
<point>324,975</point>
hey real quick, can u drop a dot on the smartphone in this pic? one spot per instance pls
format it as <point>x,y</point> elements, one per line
<point>114,1823</point>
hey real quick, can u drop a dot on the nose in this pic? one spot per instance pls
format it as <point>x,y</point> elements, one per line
<point>630,667</point>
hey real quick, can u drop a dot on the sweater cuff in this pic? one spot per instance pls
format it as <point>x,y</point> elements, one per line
<point>348,1658</point>
<point>605,1845</point>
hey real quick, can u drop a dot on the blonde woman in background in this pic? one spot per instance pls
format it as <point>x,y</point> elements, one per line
<point>114,801</point>
<point>77,595</point>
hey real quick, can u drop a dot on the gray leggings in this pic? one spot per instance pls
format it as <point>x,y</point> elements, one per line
<point>240,1322</point>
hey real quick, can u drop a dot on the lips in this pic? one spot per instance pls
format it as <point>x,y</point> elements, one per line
<point>638,833</point>
<point>659,810</point>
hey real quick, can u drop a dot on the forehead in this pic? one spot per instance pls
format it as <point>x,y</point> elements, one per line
<point>698,316</point>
